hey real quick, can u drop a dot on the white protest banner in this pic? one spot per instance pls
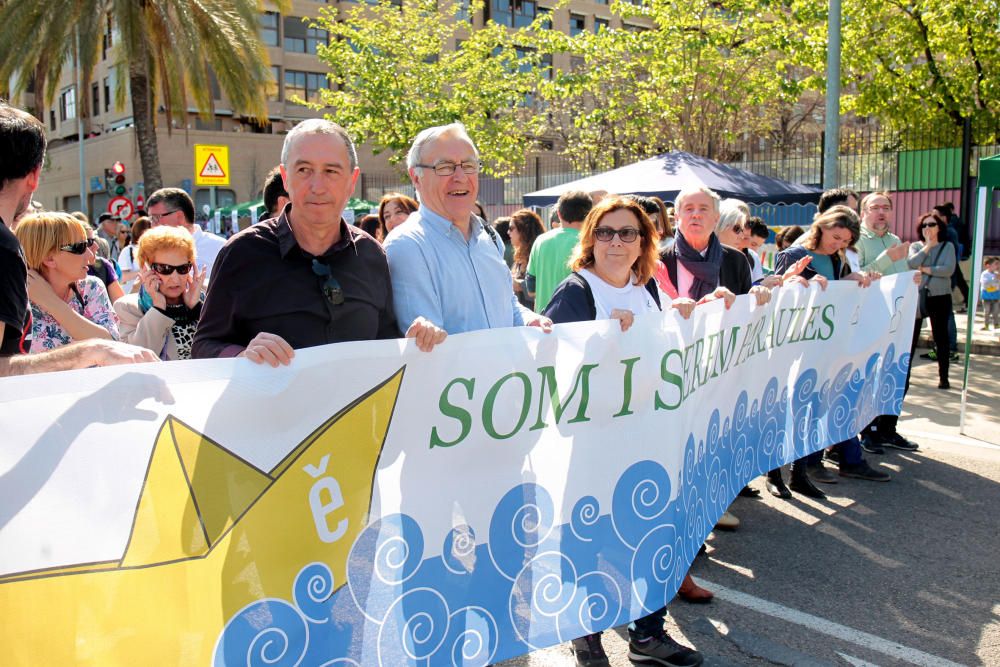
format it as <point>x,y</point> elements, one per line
<point>375,505</point>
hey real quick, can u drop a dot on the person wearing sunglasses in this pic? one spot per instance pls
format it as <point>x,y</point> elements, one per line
<point>934,259</point>
<point>22,144</point>
<point>613,266</point>
<point>67,305</point>
<point>163,315</point>
<point>173,207</point>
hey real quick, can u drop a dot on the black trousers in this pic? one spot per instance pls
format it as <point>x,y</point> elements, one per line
<point>939,309</point>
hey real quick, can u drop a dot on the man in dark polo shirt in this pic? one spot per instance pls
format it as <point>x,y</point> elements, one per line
<point>22,150</point>
<point>306,277</point>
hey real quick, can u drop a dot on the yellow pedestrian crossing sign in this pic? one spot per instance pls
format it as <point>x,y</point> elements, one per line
<point>211,164</point>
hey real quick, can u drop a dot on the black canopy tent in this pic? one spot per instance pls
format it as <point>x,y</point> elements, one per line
<point>667,174</point>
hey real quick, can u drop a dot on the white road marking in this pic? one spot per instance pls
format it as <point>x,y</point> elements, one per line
<point>953,439</point>
<point>826,627</point>
<point>857,662</point>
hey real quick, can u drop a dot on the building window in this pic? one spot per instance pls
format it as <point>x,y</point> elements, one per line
<point>300,38</point>
<point>546,14</point>
<point>295,34</point>
<point>316,37</point>
<point>106,40</point>
<point>211,125</point>
<point>305,85</point>
<point>269,28</point>
<point>274,85</point>
<point>52,119</point>
<point>107,94</point>
<point>601,24</point>
<point>463,13</point>
<point>95,99</point>
<point>67,104</point>
<point>513,13</point>
<point>577,24</point>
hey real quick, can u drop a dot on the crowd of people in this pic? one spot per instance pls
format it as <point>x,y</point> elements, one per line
<point>72,296</point>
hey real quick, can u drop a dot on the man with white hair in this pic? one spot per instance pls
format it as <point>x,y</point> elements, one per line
<point>306,277</point>
<point>447,266</point>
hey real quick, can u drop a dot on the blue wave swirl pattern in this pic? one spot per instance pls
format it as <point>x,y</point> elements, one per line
<point>535,583</point>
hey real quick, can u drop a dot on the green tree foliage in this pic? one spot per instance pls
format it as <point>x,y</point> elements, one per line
<point>695,75</point>
<point>698,77</point>
<point>924,64</point>
<point>701,75</point>
<point>396,70</point>
<point>168,50</point>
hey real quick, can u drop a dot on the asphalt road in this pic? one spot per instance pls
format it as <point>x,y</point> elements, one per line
<point>898,573</point>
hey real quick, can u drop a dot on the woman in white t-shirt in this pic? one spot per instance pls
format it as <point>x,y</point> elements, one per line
<point>128,258</point>
<point>613,266</point>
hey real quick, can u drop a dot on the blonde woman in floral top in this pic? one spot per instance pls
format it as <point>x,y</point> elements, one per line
<point>67,305</point>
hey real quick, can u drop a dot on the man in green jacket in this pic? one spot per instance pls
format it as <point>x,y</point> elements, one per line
<point>878,248</point>
<point>881,250</point>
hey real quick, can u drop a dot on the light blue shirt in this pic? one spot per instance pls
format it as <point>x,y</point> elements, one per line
<point>458,285</point>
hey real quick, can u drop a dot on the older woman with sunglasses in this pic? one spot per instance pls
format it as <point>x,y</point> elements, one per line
<point>613,265</point>
<point>67,305</point>
<point>163,315</point>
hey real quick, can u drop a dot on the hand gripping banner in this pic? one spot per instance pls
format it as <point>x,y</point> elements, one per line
<point>375,505</point>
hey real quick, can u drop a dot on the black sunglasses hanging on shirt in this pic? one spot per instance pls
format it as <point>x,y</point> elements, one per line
<point>332,290</point>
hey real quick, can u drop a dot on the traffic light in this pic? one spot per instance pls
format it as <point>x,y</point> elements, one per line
<point>118,172</point>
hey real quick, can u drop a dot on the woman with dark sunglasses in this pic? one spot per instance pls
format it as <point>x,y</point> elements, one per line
<point>163,315</point>
<point>613,266</point>
<point>67,305</point>
<point>935,259</point>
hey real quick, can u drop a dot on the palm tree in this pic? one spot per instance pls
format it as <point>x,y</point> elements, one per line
<point>169,50</point>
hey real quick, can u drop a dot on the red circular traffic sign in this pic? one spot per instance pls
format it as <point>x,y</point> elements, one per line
<point>121,207</point>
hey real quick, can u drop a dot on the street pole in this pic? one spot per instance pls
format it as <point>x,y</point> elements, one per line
<point>831,139</point>
<point>212,199</point>
<point>79,124</point>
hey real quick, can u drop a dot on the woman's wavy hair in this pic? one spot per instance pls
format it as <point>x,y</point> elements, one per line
<point>645,265</point>
<point>165,238</point>
<point>530,227</point>
<point>408,204</point>
<point>836,217</point>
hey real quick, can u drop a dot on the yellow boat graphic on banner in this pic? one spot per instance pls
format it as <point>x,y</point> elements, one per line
<point>211,534</point>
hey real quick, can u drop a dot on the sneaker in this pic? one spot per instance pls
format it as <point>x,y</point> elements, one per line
<point>863,471</point>
<point>832,455</point>
<point>589,652</point>
<point>932,355</point>
<point>871,445</point>
<point>944,384</point>
<point>954,357</point>
<point>896,441</point>
<point>662,650</point>
<point>820,474</point>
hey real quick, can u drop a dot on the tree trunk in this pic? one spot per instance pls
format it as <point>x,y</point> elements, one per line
<point>145,128</point>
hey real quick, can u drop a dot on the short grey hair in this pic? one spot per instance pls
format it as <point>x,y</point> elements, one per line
<point>732,211</point>
<point>432,134</point>
<point>687,192</point>
<point>319,126</point>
